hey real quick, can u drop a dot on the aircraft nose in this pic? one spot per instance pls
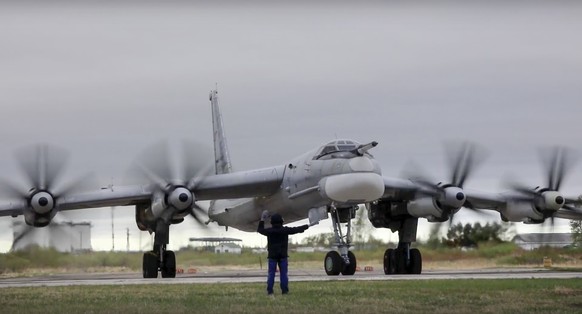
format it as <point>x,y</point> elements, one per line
<point>361,164</point>
<point>360,187</point>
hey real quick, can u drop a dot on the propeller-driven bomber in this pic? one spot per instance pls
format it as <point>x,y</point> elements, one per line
<point>330,181</point>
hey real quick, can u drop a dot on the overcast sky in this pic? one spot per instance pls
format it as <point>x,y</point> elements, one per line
<point>106,80</point>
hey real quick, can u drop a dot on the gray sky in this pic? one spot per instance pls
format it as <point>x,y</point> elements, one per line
<point>106,80</point>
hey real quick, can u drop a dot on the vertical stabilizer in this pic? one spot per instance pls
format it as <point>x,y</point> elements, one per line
<point>221,156</point>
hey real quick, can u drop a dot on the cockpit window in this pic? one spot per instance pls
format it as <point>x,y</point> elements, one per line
<point>328,149</point>
<point>346,147</point>
<point>338,149</point>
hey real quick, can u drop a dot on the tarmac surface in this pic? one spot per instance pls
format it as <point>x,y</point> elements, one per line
<point>251,276</point>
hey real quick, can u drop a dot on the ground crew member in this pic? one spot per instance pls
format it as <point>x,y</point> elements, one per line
<point>277,243</point>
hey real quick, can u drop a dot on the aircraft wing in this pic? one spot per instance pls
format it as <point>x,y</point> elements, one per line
<point>402,189</point>
<point>569,214</point>
<point>242,184</point>
<point>405,189</point>
<point>12,208</point>
<point>484,200</point>
<point>501,201</point>
<point>114,196</point>
<point>395,188</point>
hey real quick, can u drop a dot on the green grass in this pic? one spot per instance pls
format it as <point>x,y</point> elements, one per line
<point>435,296</point>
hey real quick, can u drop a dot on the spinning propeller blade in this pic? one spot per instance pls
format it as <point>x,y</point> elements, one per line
<point>463,159</point>
<point>42,167</point>
<point>169,169</point>
<point>556,162</point>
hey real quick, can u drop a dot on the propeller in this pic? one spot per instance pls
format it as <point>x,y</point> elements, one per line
<point>462,159</point>
<point>172,174</point>
<point>42,168</point>
<point>23,230</point>
<point>548,199</point>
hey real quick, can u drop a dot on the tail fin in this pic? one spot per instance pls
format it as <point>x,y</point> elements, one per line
<point>221,155</point>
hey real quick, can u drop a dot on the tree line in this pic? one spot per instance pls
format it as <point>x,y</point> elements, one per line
<point>457,235</point>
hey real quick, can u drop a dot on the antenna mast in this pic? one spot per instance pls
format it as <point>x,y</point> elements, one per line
<point>112,231</point>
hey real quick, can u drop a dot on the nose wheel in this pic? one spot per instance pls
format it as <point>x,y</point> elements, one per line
<point>334,264</point>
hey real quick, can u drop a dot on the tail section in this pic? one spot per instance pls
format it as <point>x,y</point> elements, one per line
<point>221,155</point>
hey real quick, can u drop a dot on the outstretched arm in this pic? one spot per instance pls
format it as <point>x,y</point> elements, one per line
<point>294,230</point>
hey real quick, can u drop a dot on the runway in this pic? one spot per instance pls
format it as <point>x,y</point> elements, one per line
<point>252,276</point>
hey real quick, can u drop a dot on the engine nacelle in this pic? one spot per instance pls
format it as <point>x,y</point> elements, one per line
<point>37,220</point>
<point>180,199</point>
<point>425,207</point>
<point>521,212</point>
<point>552,200</point>
<point>143,217</point>
<point>42,202</point>
<point>158,204</point>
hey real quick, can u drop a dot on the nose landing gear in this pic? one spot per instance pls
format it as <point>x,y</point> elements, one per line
<point>343,262</point>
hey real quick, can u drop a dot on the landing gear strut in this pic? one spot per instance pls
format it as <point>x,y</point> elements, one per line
<point>344,261</point>
<point>160,259</point>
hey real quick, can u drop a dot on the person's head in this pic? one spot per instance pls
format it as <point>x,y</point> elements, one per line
<point>276,220</point>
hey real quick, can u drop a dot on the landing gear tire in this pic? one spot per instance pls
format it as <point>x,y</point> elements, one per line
<point>415,266</point>
<point>389,262</point>
<point>350,270</point>
<point>150,265</point>
<point>169,267</point>
<point>400,262</point>
<point>333,263</point>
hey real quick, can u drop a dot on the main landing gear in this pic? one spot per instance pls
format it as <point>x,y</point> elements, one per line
<point>342,262</point>
<point>402,260</point>
<point>160,259</point>
<point>394,216</point>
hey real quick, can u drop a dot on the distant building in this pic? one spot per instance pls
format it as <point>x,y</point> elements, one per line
<point>219,245</point>
<point>310,249</point>
<point>62,236</point>
<point>231,248</point>
<point>530,241</point>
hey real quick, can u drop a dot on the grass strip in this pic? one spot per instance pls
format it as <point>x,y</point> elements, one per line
<point>428,296</point>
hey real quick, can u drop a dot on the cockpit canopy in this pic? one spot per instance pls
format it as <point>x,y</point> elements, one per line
<point>338,149</point>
